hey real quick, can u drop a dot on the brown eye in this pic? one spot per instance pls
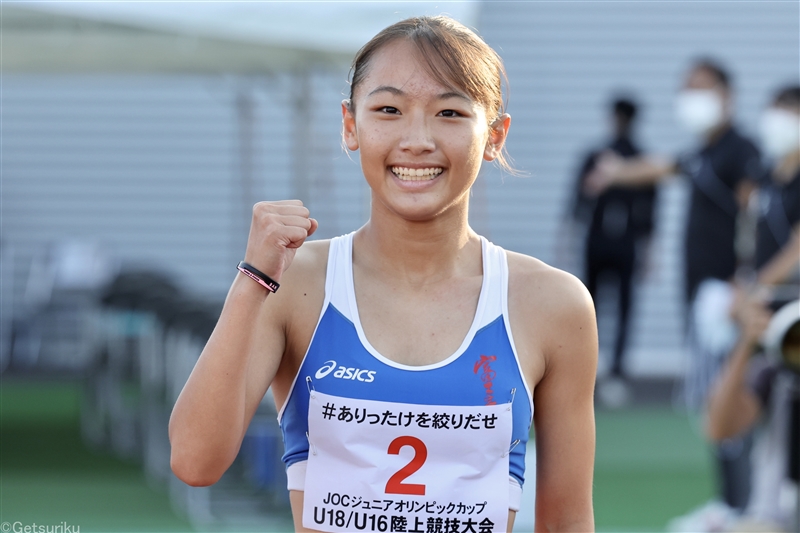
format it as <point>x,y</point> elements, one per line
<point>450,113</point>
<point>390,110</point>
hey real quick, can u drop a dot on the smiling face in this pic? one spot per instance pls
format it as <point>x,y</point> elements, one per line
<point>421,142</point>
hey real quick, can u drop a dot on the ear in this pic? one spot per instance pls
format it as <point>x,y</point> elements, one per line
<point>498,131</point>
<point>349,126</point>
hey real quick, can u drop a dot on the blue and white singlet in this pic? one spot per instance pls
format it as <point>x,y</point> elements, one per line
<point>485,370</point>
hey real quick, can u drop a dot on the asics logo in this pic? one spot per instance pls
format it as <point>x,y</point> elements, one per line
<point>326,369</point>
<point>343,372</point>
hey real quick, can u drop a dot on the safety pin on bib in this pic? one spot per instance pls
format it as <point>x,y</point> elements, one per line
<point>314,448</point>
<point>510,403</point>
<point>513,445</point>
<point>310,385</point>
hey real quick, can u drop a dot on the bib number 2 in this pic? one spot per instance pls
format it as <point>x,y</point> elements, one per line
<point>395,484</point>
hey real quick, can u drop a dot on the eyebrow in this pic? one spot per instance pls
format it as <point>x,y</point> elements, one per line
<point>397,92</point>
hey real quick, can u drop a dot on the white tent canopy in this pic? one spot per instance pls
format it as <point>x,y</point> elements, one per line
<point>229,37</point>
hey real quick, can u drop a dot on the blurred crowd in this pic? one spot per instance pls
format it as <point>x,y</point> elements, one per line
<point>741,258</point>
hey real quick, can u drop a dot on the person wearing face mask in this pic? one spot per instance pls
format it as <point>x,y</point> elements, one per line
<point>619,224</point>
<point>778,229</point>
<point>722,170</point>
<point>753,391</point>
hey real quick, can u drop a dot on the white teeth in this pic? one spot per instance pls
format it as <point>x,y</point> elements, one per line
<point>417,174</point>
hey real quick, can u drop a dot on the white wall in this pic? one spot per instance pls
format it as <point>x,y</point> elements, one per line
<point>152,165</point>
<point>565,59</point>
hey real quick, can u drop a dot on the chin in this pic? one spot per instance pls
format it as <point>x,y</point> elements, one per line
<point>417,211</point>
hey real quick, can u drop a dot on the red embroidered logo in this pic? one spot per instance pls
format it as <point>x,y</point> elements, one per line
<point>487,376</point>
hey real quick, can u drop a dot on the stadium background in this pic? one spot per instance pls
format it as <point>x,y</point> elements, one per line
<point>146,135</point>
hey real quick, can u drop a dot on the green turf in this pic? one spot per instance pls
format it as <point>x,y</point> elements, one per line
<point>48,477</point>
<point>650,466</point>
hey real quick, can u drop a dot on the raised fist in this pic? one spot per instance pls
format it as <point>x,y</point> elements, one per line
<point>277,230</point>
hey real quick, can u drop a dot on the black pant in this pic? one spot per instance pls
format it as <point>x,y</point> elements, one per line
<point>734,470</point>
<point>616,257</point>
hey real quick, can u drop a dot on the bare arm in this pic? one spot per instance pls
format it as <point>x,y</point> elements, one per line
<point>564,408</point>
<point>732,406</point>
<point>778,269</point>
<point>612,169</point>
<point>242,355</point>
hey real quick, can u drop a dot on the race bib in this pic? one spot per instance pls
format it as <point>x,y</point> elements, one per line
<point>398,467</point>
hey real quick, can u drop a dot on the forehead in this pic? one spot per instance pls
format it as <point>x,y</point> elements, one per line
<point>787,107</point>
<point>701,78</point>
<point>399,65</point>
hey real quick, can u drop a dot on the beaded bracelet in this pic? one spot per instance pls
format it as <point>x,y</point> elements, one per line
<point>259,277</point>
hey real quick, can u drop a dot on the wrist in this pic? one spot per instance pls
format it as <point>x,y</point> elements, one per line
<point>749,342</point>
<point>258,276</point>
<point>244,287</point>
<point>273,268</point>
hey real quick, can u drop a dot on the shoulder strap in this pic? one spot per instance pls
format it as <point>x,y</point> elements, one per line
<point>495,281</point>
<point>713,187</point>
<point>339,278</point>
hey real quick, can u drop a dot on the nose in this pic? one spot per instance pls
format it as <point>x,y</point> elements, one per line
<point>417,136</point>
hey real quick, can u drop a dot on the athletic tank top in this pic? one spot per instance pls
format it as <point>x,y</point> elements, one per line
<point>340,361</point>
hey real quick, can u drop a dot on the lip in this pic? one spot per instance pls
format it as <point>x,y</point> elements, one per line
<point>416,185</point>
<point>416,165</point>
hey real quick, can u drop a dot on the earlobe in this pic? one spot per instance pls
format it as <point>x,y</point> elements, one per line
<point>498,131</point>
<point>349,126</point>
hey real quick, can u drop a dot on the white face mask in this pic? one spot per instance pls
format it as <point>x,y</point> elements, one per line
<point>780,132</point>
<point>699,110</point>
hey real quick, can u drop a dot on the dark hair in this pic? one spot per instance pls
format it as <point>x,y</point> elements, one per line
<point>788,96</point>
<point>454,56</point>
<point>625,108</point>
<point>714,68</point>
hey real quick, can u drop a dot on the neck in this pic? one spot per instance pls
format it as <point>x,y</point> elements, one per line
<point>788,167</point>
<point>417,251</point>
<point>714,135</point>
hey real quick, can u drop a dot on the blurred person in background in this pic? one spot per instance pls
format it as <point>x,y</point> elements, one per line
<point>723,170</point>
<point>753,390</point>
<point>778,227</point>
<point>619,224</point>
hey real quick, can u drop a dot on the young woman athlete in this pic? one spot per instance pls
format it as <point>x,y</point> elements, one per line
<point>407,357</point>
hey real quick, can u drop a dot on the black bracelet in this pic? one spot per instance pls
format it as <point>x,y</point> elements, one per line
<point>259,277</point>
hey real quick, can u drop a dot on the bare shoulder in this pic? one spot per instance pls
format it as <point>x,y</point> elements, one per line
<point>551,312</point>
<point>541,288</point>
<point>303,284</point>
<point>310,262</point>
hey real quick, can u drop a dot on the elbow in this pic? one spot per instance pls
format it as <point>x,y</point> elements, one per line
<point>715,432</point>
<point>719,428</point>
<point>190,461</point>
<point>715,428</point>
<point>717,413</point>
<point>188,472</point>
